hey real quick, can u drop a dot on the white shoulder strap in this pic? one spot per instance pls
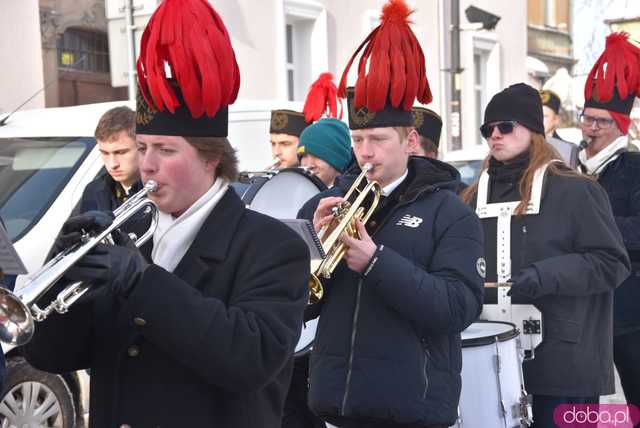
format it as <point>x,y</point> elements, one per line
<point>485,210</point>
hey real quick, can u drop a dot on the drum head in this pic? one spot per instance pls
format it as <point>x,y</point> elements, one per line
<point>486,332</point>
<point>283,194</point>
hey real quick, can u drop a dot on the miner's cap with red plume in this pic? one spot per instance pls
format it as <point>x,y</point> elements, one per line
<point>614,80</point>
<point>188,38</point>
<point>391,73</point>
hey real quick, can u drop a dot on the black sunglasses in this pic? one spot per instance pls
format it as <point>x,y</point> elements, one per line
<point>505,127</point>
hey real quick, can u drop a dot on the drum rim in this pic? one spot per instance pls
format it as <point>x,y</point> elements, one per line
<point>256,183</point>
<point>488,340</point>
<point>303,171</point>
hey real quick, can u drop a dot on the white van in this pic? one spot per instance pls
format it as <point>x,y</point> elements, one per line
<point>47,157</point>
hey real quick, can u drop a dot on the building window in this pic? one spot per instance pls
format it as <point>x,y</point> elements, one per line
<point>305,31</point>
<point>480,87</point>
<point>290,64</point>
<point>298,40</point>
<point>83,50</point>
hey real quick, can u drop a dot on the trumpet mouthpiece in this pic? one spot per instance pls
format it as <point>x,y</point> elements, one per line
<point>151,186</point>
<point>367,167</point>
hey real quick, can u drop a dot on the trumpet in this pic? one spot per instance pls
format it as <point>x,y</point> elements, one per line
<point>19,310</point>
<point>246,176</point>
<point>345,216</point>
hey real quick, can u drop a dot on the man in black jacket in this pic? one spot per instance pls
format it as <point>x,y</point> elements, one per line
<point>116,138</point>
<point>605,124</point>
<point>387,350</point>
<point>200,331</point>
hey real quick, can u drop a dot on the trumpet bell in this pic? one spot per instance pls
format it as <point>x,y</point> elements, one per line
<point>16,321</point>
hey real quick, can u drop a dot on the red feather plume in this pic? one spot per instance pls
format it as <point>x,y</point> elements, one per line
<point>190,37</point>
<point>322,99</point>
<point>618,67</point>
<point>396,66</point>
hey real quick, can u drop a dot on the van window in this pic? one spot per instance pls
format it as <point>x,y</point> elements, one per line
<point>32,174</point>
<point>469,170</point>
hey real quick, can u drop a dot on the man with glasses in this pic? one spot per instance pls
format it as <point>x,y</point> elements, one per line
<point>604,123</point>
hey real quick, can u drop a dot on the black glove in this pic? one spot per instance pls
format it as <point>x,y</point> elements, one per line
<point>74,227</point>
<point>526,284</point>
<point>118,267</point>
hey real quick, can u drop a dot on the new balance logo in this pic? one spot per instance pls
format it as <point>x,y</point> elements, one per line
<point>409,221</point>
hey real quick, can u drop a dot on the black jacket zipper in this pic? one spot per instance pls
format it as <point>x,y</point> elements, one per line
<point>424,369</point>
<point>354,330</point>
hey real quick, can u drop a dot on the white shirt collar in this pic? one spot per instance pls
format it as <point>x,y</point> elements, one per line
<point>386,190</point>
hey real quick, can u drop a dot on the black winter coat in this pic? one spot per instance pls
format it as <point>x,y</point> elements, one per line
<point>621,180</point>
<point>387,347</point>
<point>100,194</point>
<point>208,346</point>
<point>578,253</point>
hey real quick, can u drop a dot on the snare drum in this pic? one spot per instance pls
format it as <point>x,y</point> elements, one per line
<point>281,194</point>
<point>492,383</point>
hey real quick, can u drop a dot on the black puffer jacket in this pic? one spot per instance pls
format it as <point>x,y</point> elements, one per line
<point>388,342</point>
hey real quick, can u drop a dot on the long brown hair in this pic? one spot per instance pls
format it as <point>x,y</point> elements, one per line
<point>540,153</point>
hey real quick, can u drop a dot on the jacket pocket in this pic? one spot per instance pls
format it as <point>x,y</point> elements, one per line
<point>562,329</point>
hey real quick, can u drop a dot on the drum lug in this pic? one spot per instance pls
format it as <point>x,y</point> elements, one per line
<point>526,412</point>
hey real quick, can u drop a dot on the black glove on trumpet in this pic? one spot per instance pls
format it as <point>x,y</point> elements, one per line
<point>73,229</point>
<point>118,267</point>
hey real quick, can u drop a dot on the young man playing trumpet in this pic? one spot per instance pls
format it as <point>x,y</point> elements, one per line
<point>201,331</point>
<point>387,350</point>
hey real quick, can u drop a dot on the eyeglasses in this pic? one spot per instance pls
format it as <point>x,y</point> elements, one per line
<point>601,122</point>
<point>505,127</point>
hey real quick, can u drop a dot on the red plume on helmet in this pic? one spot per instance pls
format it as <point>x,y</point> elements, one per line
<point>396,67</point>
<point>190,37</point>
<point>322,99</point>
<point>617,67</point>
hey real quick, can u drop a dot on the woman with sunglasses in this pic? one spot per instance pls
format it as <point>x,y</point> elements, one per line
<point>558,247</point>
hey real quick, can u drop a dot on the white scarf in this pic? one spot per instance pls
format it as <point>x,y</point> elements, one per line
<point>594,165</point>
<point>173,237</point>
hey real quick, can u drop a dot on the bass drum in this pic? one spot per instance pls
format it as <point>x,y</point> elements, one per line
<point>492,394</point>
<point>281,194</point>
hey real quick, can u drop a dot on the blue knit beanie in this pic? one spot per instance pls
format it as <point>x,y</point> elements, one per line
<point>329,140</point>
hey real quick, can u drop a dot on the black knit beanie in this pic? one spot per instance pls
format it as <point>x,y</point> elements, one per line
<point>519,102</point>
